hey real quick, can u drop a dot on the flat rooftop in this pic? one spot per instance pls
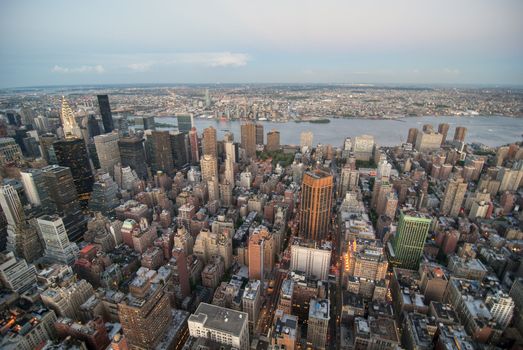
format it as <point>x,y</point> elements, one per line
<point>220,318</point>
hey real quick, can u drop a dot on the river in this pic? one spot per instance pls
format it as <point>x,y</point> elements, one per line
<point>489,130</point>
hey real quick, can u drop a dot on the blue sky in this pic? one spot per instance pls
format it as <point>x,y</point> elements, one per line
<point>230,41</point>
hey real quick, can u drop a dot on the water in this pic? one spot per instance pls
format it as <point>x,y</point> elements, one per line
<point>489,130</point>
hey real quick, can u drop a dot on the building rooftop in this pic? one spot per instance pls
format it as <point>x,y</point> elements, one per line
<point>319,308</point>
<point>220,318</point>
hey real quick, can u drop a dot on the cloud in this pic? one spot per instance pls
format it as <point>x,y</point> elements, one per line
<point>205,59</point>
<point>213,59</point>
<point>140,67</point>
<point>82,69</point>
<point>451,71</point>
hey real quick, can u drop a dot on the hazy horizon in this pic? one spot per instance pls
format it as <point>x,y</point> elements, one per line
<point>405,42</point>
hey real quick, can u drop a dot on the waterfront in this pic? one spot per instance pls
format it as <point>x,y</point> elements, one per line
<point>490,130</point>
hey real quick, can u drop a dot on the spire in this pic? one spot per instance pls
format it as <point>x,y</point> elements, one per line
<point>71,128</point>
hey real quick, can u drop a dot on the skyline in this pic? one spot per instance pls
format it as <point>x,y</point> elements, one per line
<point>473,42</point>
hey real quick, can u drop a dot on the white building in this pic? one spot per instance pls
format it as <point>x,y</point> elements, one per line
<point>311,257</point>
<point>222,325</point>
<point>245,179</point>
<point>501,307</point>
<point>306,139</point>
<point>108,151</point>
<point>15,274</point>
<point>363,147</point>
<point>251,302</point>
<point>58,248</point>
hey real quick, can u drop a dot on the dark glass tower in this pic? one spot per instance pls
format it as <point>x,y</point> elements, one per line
<point>179,147</point>
<point>92,126</point>
<point>105,111</point>
<point>72,153</point>
<point>132,154</point>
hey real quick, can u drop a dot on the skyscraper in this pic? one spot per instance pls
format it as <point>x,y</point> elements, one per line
<point>460,133</point>
<point>406,247</point>
<point>93,127</point>
<point>248,136</point>
<point>230,150</point>
<point>103,198</point>
<point>413,134</point>
<point>306,139</point>
<point>132,154</point>
<point>105,111</point>
<point>160,154</point>
<point>72,153</point>
<point>193,145</point>
<point>62,190</point>
<point>9,151</point>
<point>318,323</point>
<point>57,248</point>
<point>69,124</point>
<point>259,134</point>
<point>209,145</point>
<point>185,122</point>
<point>453,197</point>
<point>145,314</point>
<point>180,148</point>
<point>22,238</point>
<point>107,151</point>
<point>273,140</point>
<point>209,167</point>
<point>261,253</point>
<point>443,129</point>
<point>316,204</point>
<point>36,189</point>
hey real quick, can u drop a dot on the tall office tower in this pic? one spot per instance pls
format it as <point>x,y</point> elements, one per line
<point>306,138</point>
<point>226,198</point>
<point>443,129</point>
<point>179,260</point>
<point>132,154</point>
<point>209,243</point>
<point>70,126</point>
<point>209,145</point>
<point>311,258</point>
<point>193,145</point>
<point>261,253</point>
<point>413,135</point>
<point>460,133</point>
<point>10,151</point>
<point>230,150</point>
<point>159,151</point>
<point>103,198</point>
<point>318,323</point>
<point>406,247</point>
<point>248,136</point>
<point>60,184</point>
<point>251,302</point>
<point>259,134</point>
<point>15,274</point>
<point>222,325</point>
<point>180,149</point>
<point>363,147</point>
<point>72,153</point>
<point>22,238</point>
<point>366,259</point>
<point>36,190</point>
<point>428,141</point>
<point>93,127</point>
<point>316,204</point>
<point>229,170</point>
<point>105,111</point>
<point>453,197</point>
<point>145,314</point>
<point>185,122</point>
<point>348,180</point>
<point>213,187</point>
<point>209,168</point>
<point>108,151</point>
<point>273,140</point>
<point>46,143</point>
<point>58,248</point>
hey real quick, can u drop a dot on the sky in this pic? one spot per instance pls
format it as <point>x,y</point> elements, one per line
<point>72,42</point>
